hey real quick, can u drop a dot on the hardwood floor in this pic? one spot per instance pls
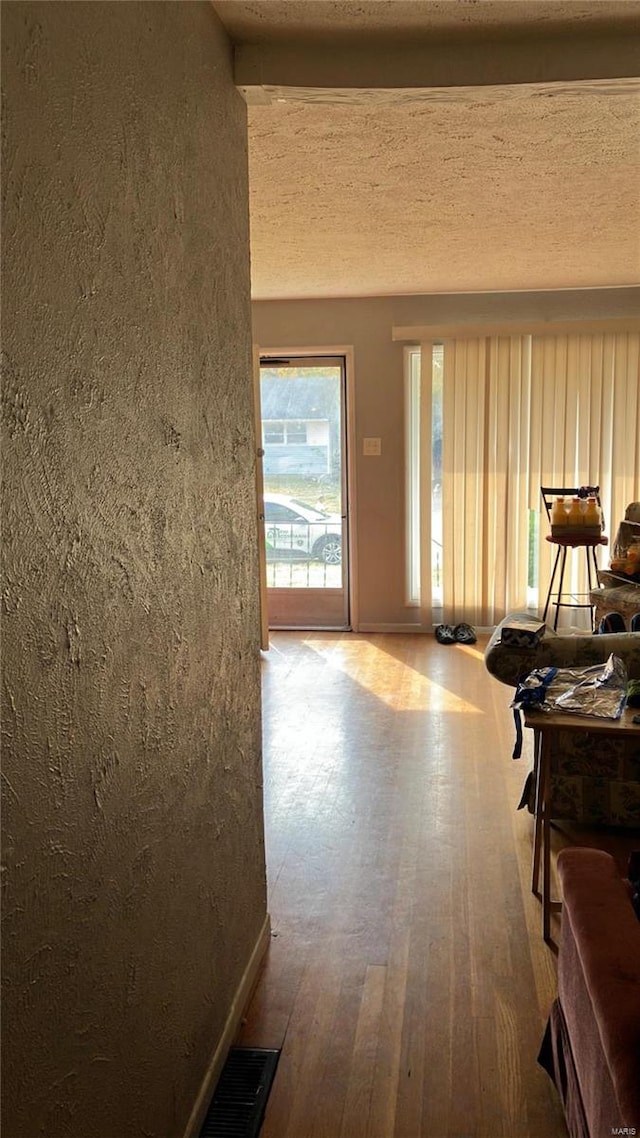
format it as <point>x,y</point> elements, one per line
<point>407,982</point>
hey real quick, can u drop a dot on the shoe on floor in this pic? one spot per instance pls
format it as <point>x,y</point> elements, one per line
<point>464,634</point>
<point>445,634</point>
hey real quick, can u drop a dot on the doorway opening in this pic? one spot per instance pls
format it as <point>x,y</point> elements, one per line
<point>305,514</point>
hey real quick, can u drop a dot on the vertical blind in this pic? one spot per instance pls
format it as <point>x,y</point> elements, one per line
<point>520,412</point>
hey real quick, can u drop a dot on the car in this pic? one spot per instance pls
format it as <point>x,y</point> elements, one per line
<point>294,527</point>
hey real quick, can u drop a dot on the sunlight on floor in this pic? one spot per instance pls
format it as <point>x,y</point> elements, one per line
<point>471,650</point>
<point>405,688</point>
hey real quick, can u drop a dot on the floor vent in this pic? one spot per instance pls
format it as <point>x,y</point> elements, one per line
<point>240,1098</point>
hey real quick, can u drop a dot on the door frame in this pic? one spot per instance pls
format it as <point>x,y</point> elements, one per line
<point>347,352</point>
<point>262,552</point>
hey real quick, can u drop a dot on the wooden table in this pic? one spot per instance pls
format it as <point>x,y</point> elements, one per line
<point>544,724</point>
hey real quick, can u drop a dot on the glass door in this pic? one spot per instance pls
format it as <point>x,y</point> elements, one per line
<point>304,506</point>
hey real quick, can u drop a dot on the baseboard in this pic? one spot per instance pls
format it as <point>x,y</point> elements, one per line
<point>364,627</point>
<point>238,1007</point>
<point>424,629</point>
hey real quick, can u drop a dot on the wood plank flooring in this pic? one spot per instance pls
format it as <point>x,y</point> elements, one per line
<point>407,982</point>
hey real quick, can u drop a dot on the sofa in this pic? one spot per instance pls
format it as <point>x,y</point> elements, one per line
<point>591,1047</point>
<point>590,783</point>
<point>509,663</point>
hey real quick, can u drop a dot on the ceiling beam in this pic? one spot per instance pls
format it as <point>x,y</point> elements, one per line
<point>407,71</point>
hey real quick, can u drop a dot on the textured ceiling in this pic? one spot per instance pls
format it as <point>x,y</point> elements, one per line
<point>477,189</point>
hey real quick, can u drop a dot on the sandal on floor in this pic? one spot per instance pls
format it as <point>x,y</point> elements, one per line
<point>464,634</point>
<point>445,634</point>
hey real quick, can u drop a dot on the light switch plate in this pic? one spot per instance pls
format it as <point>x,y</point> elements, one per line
<point>372,446</point>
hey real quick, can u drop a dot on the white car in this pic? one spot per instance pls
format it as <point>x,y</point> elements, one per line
<point>292,526</point>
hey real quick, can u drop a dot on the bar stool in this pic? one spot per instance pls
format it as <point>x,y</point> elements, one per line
<point>564,542</point>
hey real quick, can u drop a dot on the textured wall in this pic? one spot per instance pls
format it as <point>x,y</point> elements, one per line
<point>257,23</point>
<point>134,862</point>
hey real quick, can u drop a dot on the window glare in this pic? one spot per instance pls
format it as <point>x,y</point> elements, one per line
<point>412,381</point>
<point>413,476</point>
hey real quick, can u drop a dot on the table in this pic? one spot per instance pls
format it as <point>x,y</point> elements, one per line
<point>544,724</point>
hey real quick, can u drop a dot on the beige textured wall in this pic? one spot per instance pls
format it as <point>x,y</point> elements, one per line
<point>366,325</point>
<point>133,832</point>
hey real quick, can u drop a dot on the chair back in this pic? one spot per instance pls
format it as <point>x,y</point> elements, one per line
<point>550,493</point>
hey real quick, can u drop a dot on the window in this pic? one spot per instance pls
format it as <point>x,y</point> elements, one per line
<point>275,512</point>
<point>282,433</point>
<point>296,432</point>
<point>413,395</point>
<point>273,433</point>
<point>412,470</point>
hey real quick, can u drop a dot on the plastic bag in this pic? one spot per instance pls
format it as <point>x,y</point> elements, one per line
<point>599,690</point>
<point>532,690</point>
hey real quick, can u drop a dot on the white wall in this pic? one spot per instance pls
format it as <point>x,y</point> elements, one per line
<point>366,325</point>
